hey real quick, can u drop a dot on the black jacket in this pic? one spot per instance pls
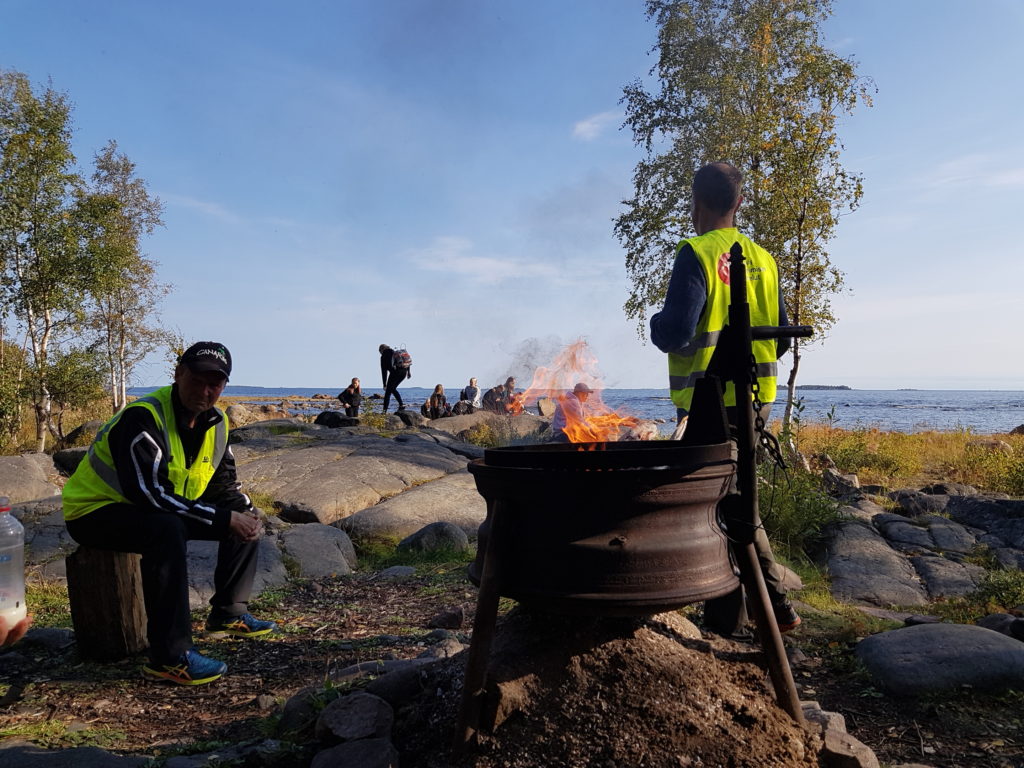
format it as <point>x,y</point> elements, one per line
<point>140,453</point>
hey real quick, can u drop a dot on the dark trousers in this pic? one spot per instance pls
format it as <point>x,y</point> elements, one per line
<point>351,410</point>
<point>162,538</point>
<point>727,615</point>
<point>395,378</point>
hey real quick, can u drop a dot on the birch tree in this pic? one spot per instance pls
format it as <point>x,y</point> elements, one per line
<point>125,292</point>
<point>748,82</point>
<point>39,234</point>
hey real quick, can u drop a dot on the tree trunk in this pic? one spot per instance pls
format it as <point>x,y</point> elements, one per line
<point>107,608</point>
<point>787,415</point>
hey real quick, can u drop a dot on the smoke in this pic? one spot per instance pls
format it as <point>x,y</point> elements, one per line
<point>527,356</point>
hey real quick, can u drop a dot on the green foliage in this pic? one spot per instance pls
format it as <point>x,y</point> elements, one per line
<point>264,502</point>
<point>285,429</point>
<point>482,434</point>
<point>898,457</point>
<point>749,82</point>
<point>369,417</point>
<point>795,510</point>
<point>72,278</point>
<point>1001,589</point>
<point>43,267</point>
<point>861,451</point>
<point>12,393</point>
<point>48,604</point>
<point>54,734</point>
<point>380,553</point>
<point>991,469</point>
<point>124,291</point>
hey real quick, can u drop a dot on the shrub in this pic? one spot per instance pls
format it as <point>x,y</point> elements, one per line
<point>1001,589</point>
<point>370,418</point>
<point>795,510</point>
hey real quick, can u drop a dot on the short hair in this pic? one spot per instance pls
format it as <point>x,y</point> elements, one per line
<point>718,187</point>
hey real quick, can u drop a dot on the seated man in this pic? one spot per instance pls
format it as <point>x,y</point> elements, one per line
<point>571,403</point>
<point>158,474</point>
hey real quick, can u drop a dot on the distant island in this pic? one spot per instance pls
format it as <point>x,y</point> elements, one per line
<point>823,386</point>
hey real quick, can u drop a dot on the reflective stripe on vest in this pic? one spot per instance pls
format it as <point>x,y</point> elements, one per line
<point>95,484</point>
<point>688,365</point>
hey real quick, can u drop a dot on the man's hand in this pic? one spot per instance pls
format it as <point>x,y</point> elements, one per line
<point>245,526</point>
<point>13,635</point>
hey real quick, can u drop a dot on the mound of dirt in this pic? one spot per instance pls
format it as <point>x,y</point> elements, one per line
<point>572,691</point>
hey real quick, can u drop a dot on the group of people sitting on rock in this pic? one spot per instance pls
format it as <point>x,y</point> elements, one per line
<point>501,398</point>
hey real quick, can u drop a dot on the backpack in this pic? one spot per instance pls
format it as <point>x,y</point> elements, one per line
<point>401,358</point>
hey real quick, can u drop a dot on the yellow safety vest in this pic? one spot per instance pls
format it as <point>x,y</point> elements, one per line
<point>94,483</point>
<point>686,366</point>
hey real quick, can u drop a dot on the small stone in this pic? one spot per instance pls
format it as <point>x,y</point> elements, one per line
<point>449,619</point>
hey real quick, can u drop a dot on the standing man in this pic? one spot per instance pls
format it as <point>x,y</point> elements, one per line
<point>688,329</point>
<point>395,367</point>
<point>571,403</point>
<point>158,474</point>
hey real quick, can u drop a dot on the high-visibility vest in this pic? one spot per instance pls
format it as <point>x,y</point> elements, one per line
<point>94,483</point>
<point>686,366</point>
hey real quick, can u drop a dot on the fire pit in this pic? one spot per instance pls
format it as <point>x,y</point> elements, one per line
<point>611,529</point>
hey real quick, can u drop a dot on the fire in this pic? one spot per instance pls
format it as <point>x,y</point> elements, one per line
<point>516,404</point>
<point>587,420</point>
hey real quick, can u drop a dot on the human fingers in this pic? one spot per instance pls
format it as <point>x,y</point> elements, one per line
<point>18,631</point>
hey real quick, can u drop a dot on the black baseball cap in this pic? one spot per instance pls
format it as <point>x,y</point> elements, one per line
<point>207,356</point>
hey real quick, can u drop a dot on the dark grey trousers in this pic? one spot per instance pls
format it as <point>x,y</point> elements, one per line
<point>162,539</point>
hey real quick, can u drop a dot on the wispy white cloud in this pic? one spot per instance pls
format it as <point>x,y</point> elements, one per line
<point>455,256</point>
<point>976,170</point>
<point>211,209</point>
<point>591,127</point>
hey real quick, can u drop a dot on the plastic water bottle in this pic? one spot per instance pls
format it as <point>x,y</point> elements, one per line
<point>12,565</point>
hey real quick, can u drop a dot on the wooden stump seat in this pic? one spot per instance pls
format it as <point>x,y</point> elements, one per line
<point>107,608</point>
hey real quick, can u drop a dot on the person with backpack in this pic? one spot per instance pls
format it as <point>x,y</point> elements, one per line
<point>351,397</point>
<point>395,367</point>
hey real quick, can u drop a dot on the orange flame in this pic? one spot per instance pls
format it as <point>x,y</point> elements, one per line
<point>589,422</point>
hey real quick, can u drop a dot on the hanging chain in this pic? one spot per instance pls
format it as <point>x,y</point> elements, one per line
<point>768,441</point>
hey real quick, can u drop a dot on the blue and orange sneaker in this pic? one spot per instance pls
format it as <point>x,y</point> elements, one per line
<point>245,625</point>
<point>191,669</point>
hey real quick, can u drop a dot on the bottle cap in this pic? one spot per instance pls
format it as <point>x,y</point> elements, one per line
<point>5,504</point>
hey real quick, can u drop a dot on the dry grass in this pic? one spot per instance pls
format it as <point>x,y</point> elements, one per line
<point>888,458</point>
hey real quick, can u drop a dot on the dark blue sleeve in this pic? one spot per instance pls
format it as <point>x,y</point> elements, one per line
<point>674,326</point>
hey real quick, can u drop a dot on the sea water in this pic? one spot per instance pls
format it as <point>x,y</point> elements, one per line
<point>979,411</point>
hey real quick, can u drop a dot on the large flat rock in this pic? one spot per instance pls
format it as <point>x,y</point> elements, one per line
<point>520,426</point>
<point>202,561</point>
<point>1003,518</point>
<point>47,540</point>
<point>452,499</point>
<point>865,569</point>
<point>324,481</point>
<point>946,578</point>
<point>930,658</point>
<point>28,477</point>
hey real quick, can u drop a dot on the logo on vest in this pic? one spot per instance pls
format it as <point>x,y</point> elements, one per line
<point>723,268</point>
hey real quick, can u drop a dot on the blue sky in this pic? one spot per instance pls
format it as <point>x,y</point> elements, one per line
<point>444,175</point>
